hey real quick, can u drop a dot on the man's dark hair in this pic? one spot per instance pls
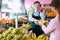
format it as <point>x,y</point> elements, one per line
<point>37,2</point>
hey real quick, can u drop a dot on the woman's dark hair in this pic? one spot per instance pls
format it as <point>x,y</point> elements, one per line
<point>37,2</point>
<point>56,4</point>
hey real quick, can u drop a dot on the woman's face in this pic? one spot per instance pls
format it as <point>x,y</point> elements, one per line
<point>37,6</point>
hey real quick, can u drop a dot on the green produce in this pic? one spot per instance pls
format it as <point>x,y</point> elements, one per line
<point>14,34</point>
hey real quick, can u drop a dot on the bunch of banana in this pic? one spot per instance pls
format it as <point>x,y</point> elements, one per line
<point>23,25</point>
<point>26,25</point>
<point>42,37</point>
<point>44,22</point>
<point>14,34</point>
<point>34,36</point>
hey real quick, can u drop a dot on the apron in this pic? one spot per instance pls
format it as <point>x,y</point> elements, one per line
<point>37,28</point>
<point>36,17</point>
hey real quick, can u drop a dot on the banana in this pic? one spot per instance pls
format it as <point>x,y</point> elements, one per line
<point>28,25</point>
<point>23,25</point>
<point>42,22</point>
<point>47,38</point>
<point>42,37</point>
<point>34,36</point>
<point>28,38</point>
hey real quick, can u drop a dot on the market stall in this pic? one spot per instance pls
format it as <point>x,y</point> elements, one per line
<point>16,26</point>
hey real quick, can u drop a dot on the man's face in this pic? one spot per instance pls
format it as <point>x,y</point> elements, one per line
<point>37,6</point>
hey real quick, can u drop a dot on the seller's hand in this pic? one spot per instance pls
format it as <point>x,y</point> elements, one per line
<point>36,22</point>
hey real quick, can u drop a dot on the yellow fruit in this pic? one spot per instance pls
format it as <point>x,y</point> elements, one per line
<point>28,25</point>
<point>47,38</point>
<point>23,25</point>
<point>34,36</point>
<point>28,38</point>
<point>42,22</point>
<point>42,37</point>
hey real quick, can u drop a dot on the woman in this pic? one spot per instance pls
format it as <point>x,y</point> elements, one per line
<point>54,25</point>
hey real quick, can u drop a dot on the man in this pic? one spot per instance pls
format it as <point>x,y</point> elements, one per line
<point>34,16</point>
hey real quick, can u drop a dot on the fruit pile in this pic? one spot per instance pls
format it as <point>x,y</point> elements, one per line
<point>14,34</point>
<point>19,34</point>
<point>6,21</point>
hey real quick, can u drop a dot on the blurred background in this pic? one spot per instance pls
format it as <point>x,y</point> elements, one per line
<point>9,8</point>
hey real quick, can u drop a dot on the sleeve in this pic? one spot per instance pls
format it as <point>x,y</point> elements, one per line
<point>30,16</point>
<point>42,15</point>
<point>51,27</point>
